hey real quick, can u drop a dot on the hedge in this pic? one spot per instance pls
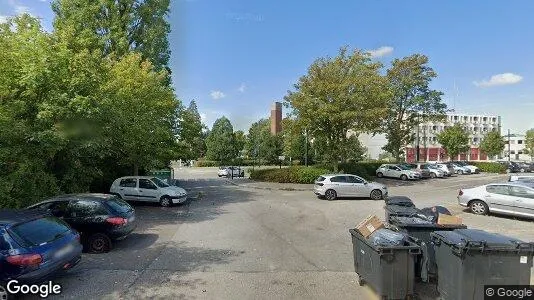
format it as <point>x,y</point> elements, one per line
<point>489,167</point>
<point>236,162</point>
<point>288,175</point>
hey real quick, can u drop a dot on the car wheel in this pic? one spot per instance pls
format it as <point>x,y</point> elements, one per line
<point>522,170</point>
<point>330,195</point>
<point>404,177</point>
<point>508,171</point>
<point>376,194</point>
<point>379,175</point>
<point>165,201</point>
<point>432,175</point>
<point>478,207</point>
<point>98,243</point>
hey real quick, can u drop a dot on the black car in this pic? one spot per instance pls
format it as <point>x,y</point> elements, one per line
<point>511,167</point>
<point>100,218</point>
<point>34,246</point>
<point>525,167</point>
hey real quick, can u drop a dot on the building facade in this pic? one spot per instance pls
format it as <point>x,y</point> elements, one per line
<point>276,118</point>
<point>430,150</point>
<point>517,149</point>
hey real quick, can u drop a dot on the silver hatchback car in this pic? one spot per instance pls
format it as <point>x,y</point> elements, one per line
<point>147,188</point>
<point>348,185</point>
<point>511,198</point>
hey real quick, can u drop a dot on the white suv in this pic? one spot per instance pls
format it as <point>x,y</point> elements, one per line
<point>397,171</point>
<point>231,172</point>
<point>149,189</point>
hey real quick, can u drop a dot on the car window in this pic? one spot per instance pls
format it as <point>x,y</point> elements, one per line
<point>498,189</point>
<point>338,179</point>
<point>522,192</point>
<point>321,178</point>
<point>85,208</point>
<point>159,182</point>
<point>4,245</point>
<point>38,231</point>
<point>146,184</point>
<point>128,182</point>
<point>118,205</point>
<point>425,167</point>
<point>354,179</point>
<point>59,208</point>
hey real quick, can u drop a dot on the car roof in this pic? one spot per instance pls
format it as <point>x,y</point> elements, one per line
<point>14,216</point>
<point>333,175</point>
<point>138,177</point>
<point>529,184</point>
<point>82,196</point>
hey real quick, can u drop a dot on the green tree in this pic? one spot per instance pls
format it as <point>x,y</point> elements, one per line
<point>412,101</point>
<point>190,134</point>
<point>529,142</point>
<point>294,140</point>
<point>337,95</point>
<point>492,144</point>
<point>262,144</point>
<point>240,141</point>
<point>220,142</point>
<point>454,140</point>
<point>116,27</point>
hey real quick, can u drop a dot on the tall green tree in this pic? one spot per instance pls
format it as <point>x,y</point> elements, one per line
<point>261,144</point>
<point>294,140</point>
<point>220,142</point>
<point>492,144</point>
<point>190,134</point>
<point>412,101</point>
<point>529,142</point>
<point>116,27</point>
<point>454,139</point>
<point>339,94</point>
<point>240,141</point>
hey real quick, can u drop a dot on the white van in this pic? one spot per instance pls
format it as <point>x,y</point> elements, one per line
<point>149,189</point>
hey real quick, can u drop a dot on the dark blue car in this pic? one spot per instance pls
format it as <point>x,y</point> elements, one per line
<point>34,246</point>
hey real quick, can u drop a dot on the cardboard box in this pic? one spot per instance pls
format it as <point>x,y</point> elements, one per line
<point>369,225</point>
<point>449,220</point>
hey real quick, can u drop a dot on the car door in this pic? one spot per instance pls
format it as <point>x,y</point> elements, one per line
<point>148,191</point>
<point>86,215</point>
<point>524,199</point>
<point>356,187</point>
<point>128,188</point>
<point>340,185</point>
<point>387,171</point>
<point>394,171</point>
<point>497,196</point>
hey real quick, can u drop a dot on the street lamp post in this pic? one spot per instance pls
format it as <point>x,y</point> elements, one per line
<point>306,147</point>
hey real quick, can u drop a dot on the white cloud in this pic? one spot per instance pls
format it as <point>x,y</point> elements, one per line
<point>379,52</point>
<point>242,88</point>
<point>3,19</point>
<point>20,9</point>
<point>217,95</point>
<point>203,117</point>
<point>500,79</point>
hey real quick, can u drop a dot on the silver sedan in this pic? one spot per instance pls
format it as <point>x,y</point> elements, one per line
<point>348,185</point>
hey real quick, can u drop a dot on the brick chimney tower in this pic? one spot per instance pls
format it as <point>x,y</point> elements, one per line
<point>276,118</point>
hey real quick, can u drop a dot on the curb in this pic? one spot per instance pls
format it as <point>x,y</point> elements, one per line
<point>268,188</point>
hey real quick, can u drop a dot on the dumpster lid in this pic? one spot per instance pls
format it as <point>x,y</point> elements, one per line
<point>476,238</point>
<point>402,210</point>
<point>400,201</point>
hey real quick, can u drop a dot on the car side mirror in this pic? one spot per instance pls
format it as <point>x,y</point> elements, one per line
<point>365,183</point>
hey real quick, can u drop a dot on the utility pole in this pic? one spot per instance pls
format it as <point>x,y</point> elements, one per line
<point>509,154</point>
<point>306,147</point>
<point>417,147</point>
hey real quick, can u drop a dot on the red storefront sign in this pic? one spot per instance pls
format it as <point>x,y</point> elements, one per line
<point>433,154</point>
<point>474,154</point>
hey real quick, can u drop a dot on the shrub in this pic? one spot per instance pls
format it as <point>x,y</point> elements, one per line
<point>207,163</point>
<point>489,167</point>
<point>288,175</point>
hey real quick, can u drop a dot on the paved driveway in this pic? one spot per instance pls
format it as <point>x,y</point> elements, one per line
<point>233,242</point>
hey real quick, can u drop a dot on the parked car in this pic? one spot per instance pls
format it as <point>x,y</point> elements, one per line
<point>347,185</point>
<point>525,167</point>
<point>434,172</point>
<point>445,168</point>
<point>510,166</point>
<point>527,178</point>
<point>473,169</point>
<point>460,170</point>
<point>228,171</point>
<point>35,246</point>
<point>148,189</point>
<point>511,198</point>
<point>397,171</point>
<point>424,172</point>
<point>100,218</point>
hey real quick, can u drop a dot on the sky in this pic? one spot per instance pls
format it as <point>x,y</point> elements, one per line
<point>236,57</point>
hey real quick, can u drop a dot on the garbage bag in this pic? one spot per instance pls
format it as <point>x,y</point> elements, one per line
<point>400,201</point>
<point>387,237</point>
<point>416,219</point>
<point>432,212</point>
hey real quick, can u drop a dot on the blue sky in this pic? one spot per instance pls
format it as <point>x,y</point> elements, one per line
<point>236,57</point>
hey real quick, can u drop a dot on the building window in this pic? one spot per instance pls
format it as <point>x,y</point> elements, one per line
<point>493,120</point>
<point>475,140</point>
<point>512,151</point>
<point>484,119</point>
<point>512,142</point>
<point>455,118</point>
<point>520,141</point>
<point>434,127</point>
<point>520,152</point>
<point>475,129</point>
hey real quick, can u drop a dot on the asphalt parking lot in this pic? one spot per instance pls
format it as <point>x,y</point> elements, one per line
<point>236,242</point>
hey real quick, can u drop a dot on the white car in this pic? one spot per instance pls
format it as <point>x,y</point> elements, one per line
<point>227,172</point>
<point>460,170</point>
<point>148,189</point>
<point>397,171</point>
<point>447,171</point>
<point>511,198</point>
<point>473,169</point>
<point>348,185</point>
<point>435,172</point>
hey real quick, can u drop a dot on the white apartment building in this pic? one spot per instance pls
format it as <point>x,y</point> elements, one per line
<point>517,147</point>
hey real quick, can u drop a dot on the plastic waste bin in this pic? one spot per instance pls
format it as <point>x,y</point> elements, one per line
<point>468,259</point>
<point>399,210</point>
<point>419,227</point>
<point>388,270</point>
<point>400,201</point>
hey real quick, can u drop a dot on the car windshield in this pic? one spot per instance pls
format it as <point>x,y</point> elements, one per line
<point>39,231</point>
<point>433,167</point>
<point>404,167</point>
<point>160,183</point>
<point>118,205</point>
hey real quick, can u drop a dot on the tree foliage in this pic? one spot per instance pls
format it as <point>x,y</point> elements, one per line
<point>220,142</point>
<point>529,142</point>
<point>454,139</point>
<point>190,133</point>
<point>261,144</point>
<point>492,144</point>
<point>412,101</point>
<point>337,95</point>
